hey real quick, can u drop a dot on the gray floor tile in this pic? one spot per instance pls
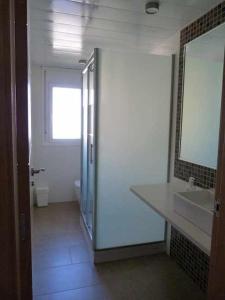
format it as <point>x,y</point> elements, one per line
<point>80,253</point>
<point>51,257</point>
<point>89,293</point>
<point>62,268</point>
<point>66,239</point>
<point>64,278</point>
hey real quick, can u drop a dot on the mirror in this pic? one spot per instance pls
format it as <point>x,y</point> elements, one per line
<point>202,92</point>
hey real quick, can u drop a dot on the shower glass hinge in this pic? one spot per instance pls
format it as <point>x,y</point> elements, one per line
<point>217,207</point>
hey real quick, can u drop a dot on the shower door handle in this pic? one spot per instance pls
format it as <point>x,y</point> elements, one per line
<point>91,153</point>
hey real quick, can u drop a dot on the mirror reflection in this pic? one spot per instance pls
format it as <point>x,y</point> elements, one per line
<point>202,92</point>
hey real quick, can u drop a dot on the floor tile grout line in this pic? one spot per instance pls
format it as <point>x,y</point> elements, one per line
<point>64,265</point>
<point>68,265</point>
<point>62,233</point>
<point>46,248</point>
<point>79,243</point>
<point>70,289</point>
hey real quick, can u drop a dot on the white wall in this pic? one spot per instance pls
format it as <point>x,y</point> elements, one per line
<point>134,111</point>
<point>62,162</point>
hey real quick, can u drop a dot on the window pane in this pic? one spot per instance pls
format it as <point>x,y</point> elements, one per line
<point>66,113</point>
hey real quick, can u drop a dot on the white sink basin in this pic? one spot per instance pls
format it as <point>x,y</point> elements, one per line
<point>196,207</point>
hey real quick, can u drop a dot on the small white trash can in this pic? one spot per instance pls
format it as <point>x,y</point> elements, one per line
<point>42,196</point>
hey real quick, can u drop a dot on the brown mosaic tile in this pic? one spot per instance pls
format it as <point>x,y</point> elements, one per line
<point>190,258</point>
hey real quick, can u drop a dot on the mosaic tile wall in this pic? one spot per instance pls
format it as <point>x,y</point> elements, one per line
<point>205,177</point>
<point>190,258</point>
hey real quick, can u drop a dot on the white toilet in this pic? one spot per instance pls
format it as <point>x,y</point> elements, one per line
<point>77,189</point>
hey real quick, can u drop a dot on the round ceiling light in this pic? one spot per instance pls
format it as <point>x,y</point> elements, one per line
<point>152,7</point>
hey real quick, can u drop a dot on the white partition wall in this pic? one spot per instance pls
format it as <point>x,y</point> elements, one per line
<point>133,138</point>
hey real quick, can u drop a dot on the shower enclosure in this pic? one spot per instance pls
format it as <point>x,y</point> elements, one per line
<point>125,138</point>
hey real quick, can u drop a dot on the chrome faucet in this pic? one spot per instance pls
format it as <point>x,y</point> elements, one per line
<point>191,181</point>
<point>190,184</point>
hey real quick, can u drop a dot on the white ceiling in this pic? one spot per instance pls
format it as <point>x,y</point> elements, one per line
<point>64,31</point>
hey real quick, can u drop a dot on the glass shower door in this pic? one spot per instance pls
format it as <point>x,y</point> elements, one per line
<point>90,175</point>
<point>84,155</point>
<point>88,146</point>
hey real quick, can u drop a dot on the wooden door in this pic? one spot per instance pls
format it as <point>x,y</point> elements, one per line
<point>23,169</point>
<point>15,254</point>
<point>9,255</point>
<point>216,289</point>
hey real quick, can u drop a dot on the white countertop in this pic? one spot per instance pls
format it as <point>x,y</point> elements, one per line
<point>160,198</point>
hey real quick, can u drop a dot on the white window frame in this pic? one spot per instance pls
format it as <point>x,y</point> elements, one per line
<point>48,116</point>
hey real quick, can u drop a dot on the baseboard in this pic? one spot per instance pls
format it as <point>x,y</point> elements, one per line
<point>120,253</point>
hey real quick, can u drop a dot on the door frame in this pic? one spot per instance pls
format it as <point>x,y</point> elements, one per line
<point>9,256</point>
<point>217,258</point>
<point>15,257</point>
<point>23,157</point>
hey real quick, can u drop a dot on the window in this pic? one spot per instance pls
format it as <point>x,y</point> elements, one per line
<point>64,114</point>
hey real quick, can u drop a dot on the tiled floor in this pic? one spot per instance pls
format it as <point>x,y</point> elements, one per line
<point>62,267</point>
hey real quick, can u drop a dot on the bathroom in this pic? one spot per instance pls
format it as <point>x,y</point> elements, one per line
<point>125,111</point>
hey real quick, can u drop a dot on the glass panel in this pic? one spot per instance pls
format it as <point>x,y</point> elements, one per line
<point>84,146</point>
<point>90,195</point>
<point>66,113</point>
<point>202,92</point>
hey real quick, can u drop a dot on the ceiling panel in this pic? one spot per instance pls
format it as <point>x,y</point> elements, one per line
<point>64,31</point>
